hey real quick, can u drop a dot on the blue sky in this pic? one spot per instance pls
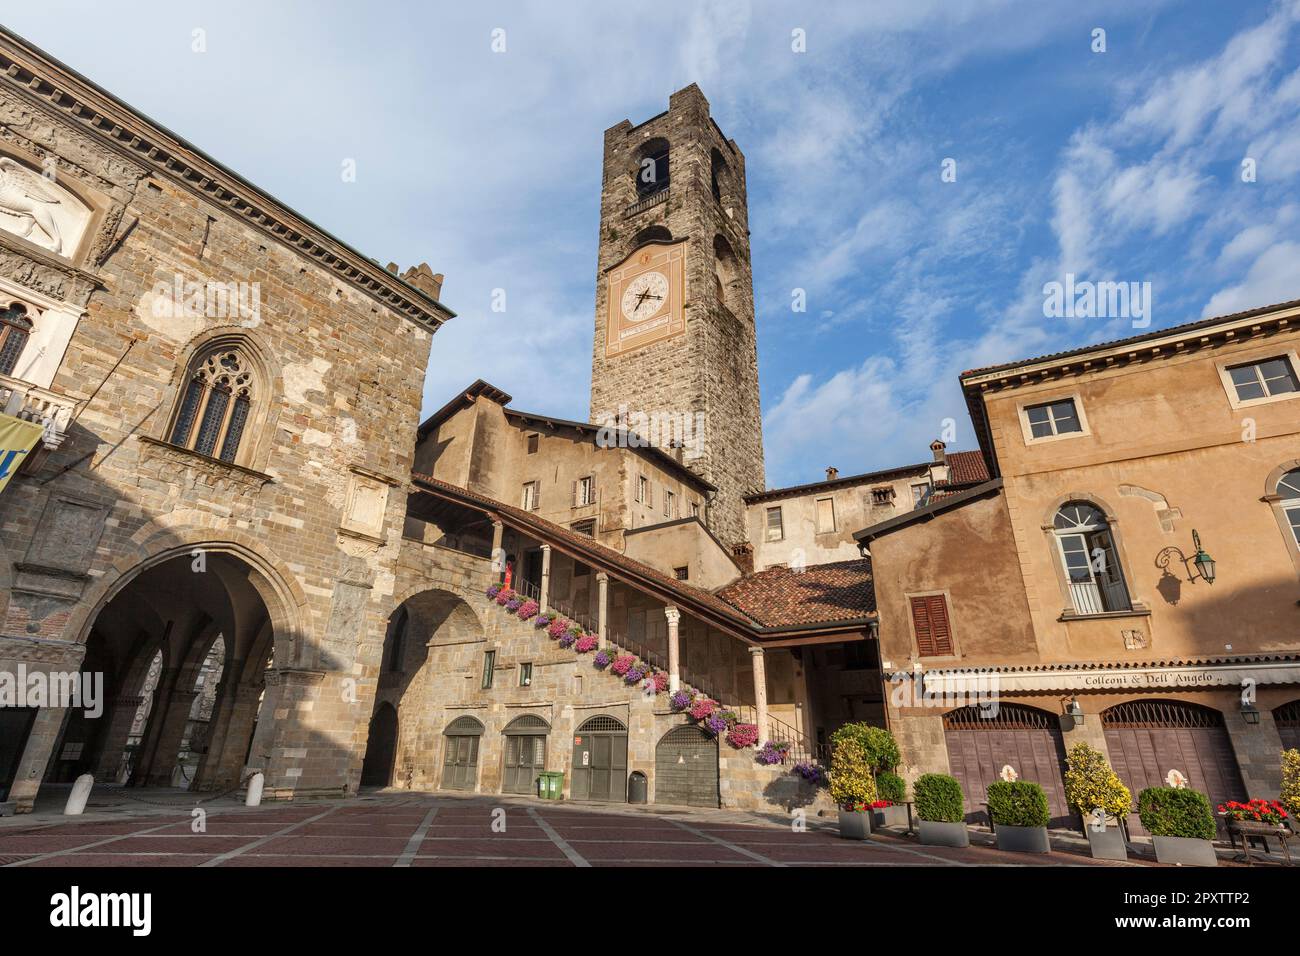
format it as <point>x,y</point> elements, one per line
<point>1121,165</point>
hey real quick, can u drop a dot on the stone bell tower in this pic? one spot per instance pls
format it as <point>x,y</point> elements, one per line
<point>675,337</point>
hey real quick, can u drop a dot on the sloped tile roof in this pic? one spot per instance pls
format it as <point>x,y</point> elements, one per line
<point>822,593</point>
<point>966,468</point>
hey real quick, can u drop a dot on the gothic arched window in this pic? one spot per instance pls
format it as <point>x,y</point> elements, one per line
<point>15,327</point>
<point>652,168</point>
<point>1087,549</point>
<point>215,403</point>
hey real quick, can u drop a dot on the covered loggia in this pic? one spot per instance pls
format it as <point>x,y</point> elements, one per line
<point>183,648</point>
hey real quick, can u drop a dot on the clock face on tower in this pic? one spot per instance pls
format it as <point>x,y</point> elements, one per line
<point>646,298</point>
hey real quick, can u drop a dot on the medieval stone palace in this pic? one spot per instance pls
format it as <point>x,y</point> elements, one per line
<point>228,544</point>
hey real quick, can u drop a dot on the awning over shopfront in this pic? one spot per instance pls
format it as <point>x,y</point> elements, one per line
<point>18,439</point>
<point>1173,675</point>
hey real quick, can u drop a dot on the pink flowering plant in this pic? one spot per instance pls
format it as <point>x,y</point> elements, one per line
<point>660,679</point>
<point>588,642</point>
<point>622,664</point>
<point>741,736</point>
<point>504,596</point>
<point>527,609</point>
<point>557,629</point>
<point>702,708</point>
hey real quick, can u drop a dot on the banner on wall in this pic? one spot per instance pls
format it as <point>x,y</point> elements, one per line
<point>17,439</point>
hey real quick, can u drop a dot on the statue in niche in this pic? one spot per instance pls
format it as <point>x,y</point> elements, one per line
<point>29,198</point>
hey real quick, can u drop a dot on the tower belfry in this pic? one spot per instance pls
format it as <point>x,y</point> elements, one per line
<point>675,338</point>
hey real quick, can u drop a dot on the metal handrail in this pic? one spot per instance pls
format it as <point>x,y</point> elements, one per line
<point>778,731</point>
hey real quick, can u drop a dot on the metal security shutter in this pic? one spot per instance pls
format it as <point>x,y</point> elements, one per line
<point>1024,738</point>
<point>686,768</point>
<point>600,761</point>
<point>460,754</point>
<point>525,753</point>
<point>15,726</point>
<point>1148,738</point>
<point>1287,718</point>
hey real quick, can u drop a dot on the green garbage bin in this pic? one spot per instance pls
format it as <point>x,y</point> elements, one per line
<point>550,785</point>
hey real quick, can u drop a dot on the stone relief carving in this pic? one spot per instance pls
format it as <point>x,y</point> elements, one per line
<point>33,201</point>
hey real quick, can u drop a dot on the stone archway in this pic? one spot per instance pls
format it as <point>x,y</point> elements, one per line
<point>205,615</point>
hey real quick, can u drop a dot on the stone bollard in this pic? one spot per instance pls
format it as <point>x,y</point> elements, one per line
<point>255,784</point>
<point>80,794</point>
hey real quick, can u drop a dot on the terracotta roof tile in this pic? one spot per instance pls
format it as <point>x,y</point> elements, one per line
<point>822,593</point>
<point>966,468</point>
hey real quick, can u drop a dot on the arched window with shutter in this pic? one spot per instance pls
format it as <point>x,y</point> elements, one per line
<point>1086,546</point>
<point>215,403</point>
<point>15,327</point>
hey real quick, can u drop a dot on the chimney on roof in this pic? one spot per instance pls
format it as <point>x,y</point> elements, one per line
<point>937,447</point>
<point>744,555</point>
<point>832,473</point>
<point>424,279</point>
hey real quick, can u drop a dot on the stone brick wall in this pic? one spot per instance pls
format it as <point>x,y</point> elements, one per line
<point>342,373</point>
<point>713,369</point>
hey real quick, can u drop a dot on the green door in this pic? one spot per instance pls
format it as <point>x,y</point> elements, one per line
<point>460,754</point>
<point>600,761</point>
<point>525,759</point>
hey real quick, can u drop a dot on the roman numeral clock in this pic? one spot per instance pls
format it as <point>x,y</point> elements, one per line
<point>647,298</point>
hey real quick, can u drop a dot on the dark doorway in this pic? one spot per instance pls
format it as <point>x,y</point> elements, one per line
<point>686,768</point>
<point>15,727</point>
<point>533,571</point>
<point>381,748</point>
<point>600,761</point>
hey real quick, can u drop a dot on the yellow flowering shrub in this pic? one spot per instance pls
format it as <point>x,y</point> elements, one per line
<point>1291,783</point>
<point>1091,783</point>
<point>853,783</point>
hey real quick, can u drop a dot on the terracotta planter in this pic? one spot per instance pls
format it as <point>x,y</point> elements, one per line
<point>1107,844</point>
<point>855,824</point>
<point>895,816</point>
<point>1185,851</point>
<point>1022,839</point>
<point>935,833</point>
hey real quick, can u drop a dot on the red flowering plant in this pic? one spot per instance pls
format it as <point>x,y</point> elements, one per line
<point>881,804</point>
<point>557,628</point>
<point>660,679</point>
<point>622,664</point>
<point>527,610</point>
<point>504,596</point>
<point>741,736</point>
<point>1259,811</point>
<point>701,708</point>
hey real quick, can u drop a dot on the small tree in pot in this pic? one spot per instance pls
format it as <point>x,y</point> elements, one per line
<point>1181,825</point>
<point>853,788</point>
<point>939,806</point>
<point>1019,812</point>
<point>1095,792</point>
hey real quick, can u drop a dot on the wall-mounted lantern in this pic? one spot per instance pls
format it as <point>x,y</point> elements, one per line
<point>1199,565</point>
<point>1204,563</point>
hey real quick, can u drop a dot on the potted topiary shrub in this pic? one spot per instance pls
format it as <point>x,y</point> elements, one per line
<point>891,792</point>
<point>853,788</point>
<point>1095,792</point>
<point>1019,812</point>
<point>939,806</point>
<point>1181,825</point>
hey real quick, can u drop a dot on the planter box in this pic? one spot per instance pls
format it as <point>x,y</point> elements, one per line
<point>855,824</point>
<point>889,817</point>
<point>1185,851</point>
<point>1022,839</point>
<point>1107,844</point>
<point>934,833</point>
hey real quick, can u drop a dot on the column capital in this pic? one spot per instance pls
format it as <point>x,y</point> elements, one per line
<point>602,577</point>
<point>756,651</point>
<point>546,548</point>
<point>673,615</point>
<point>497,523</point>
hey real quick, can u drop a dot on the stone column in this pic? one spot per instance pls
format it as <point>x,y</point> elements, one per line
<point>546,578</point>
<point>171,733</point>
<point>602,608</point>
<point>162,699</point>
<point>760,693</point>
<point>220,724</point>
<point>674,667</point>
<point>225,765</point>
<point>111,748</point>
<point>498,533</point>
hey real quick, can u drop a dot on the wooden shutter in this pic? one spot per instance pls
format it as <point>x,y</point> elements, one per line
<point>933,631</point>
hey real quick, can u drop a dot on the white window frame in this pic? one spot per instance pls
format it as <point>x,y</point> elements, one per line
<point>1028,433</point>
<point>1093,595</point>
<point>1230,389</point>
<point>529,499</point>
<point>1291,506</point>
<point>670,504</point>
<point>919,491</point>
<point>586,491</point>
<point>642,489</point>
